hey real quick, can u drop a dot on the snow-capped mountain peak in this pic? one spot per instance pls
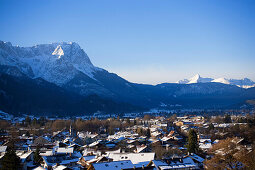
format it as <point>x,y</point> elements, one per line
<point>57,62</point>
<point>195,79</point>
<point>58,52</point>
<point>244,83</point>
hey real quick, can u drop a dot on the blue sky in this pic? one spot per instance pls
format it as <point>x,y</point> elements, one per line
<point>142,40</point>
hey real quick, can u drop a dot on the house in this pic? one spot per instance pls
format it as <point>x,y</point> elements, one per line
<point>87,161</point>
<point>127,164</point>
<point>61,156</point>
<point>124,165</point>
<point>183,163</point>
<point>2,151</point>
<point>205,144</point>
<point>26,158</point>
<point>84,160</point>
<point>197,159</point>
<point>135,158</point>
<point>42,141</point>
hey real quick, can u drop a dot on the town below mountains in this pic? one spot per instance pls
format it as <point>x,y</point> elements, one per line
<point>59,79</point>
<point>141,142</point>
<point>59,112</point>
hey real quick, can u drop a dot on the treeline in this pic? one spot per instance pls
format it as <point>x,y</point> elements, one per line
<point>40,126</point>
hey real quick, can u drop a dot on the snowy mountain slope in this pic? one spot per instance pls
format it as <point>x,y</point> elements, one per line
<point>244,83</point>
<point>221,80</point>
<point>68,66</point>
<point>57,62</point>
<point>198,79</point>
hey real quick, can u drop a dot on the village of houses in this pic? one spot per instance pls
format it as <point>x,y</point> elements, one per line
<point>158,143</point>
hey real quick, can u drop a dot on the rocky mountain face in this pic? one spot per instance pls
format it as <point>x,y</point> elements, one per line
<point>57,63</point>
<point>67,69</point>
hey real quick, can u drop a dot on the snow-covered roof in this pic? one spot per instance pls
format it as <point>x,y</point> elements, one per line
<point>186,163</point>
<point>156,133</point>
<point>127,164</point>
<point>110,145</point>
<point>131,141</point>
<point>205,140</point>
<point>88,151</point>
<point>196,157</point>
<point>3,148</point>
<point>87,158</point>
<point>60,167</point>
<point>165,138</point>
<point>216,141</point>
<point>111,152</point>
<point>158,163</point>
<point>205,145</point>
<point>65,150</point>
<point>23,156</point>
<point>135,158</point>
<point>39,168</point>
<point>63,160</point>
<point>86,135</point>
<point>94,143</point>
<point>140,148</point>
<point>141,164</point>
<point>46,153</point>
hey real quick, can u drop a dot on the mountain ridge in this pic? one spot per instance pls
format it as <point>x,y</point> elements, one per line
<point>68,67</point>
<point>243,83</point>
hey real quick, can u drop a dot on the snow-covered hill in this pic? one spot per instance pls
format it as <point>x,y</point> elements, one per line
<point>244,83</point>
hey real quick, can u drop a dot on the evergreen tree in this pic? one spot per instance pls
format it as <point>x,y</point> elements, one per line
<point>28,120</point>
<point>37,156</point>
<point>227,119</point>
<point>10,160</point>
<point>139,131</point>
<point>211,127</point>
<point>110,130</point>
<point>34,122</point>
<point>148,133</point>
<point>128,121</point>
<point>27,133</point>
<point>192,145</point>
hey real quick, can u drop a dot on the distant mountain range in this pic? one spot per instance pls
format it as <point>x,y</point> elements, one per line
<point>244,83</point>
<point>59,78</point>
